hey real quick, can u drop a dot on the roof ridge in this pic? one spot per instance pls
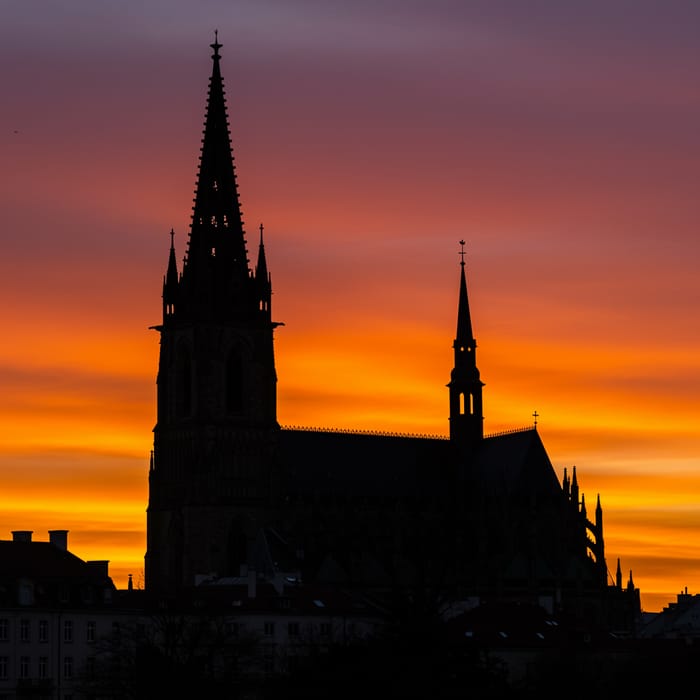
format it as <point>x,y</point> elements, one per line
<point>353,431</point>
<point>526,429</point>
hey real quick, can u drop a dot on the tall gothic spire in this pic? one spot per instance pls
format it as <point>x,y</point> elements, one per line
<point>217,383</point>
<point>466,410</point>
<point>216,275</point>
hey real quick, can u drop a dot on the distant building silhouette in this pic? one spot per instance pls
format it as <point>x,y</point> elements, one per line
<point>414,521</point>
<point>54,607</point>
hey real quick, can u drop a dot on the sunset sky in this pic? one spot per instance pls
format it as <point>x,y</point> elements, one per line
<point>560,139</point>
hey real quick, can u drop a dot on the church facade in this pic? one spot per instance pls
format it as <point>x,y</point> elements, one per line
<point>399,517</point>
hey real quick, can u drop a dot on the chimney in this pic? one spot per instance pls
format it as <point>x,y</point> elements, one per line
<point>59,538</point>
<point>22,535</point>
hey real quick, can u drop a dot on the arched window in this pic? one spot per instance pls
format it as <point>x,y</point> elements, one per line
<point>234,382</point>
<point>183,383</point>
<point>466,404</point>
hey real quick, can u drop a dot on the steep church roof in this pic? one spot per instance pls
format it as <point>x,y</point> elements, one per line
<point>513,460</point>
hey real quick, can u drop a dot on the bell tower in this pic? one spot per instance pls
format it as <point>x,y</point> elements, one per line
<point>466,407</point>
<point>216,426</point>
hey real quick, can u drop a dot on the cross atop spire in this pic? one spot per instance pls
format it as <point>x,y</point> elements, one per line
<point>462,253</point>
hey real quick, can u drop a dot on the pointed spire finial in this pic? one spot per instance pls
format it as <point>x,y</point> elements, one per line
<point>216,45</point>
<point>462,253</point>
<point>172,238</point>
<point>535,415</point>
<point>261,233</point>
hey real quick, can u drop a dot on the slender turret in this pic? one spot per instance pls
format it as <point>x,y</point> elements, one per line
<point>170,281</point>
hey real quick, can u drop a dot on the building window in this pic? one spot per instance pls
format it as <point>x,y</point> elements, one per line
<point>90,666</point>
<point>24,630</point>
<point>26,594</point>
<point>325,629</point>
<point>43,630</point>
<point>3,668</point>
<point>90,630</point>
<point>43,666</point>
<point>68,667</point>
<point>293,629</point>
<point>269,629</point>
<point>4,629</point>
<point>232,629</point>
<point>24,667</point>
<point>68,631</point>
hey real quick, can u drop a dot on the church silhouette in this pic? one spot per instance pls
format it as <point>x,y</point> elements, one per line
<point>403,519</point>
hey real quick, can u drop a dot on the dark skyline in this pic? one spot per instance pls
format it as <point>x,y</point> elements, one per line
<point>561,143</point>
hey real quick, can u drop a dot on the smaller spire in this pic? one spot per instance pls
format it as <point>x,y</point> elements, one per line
<point>170,283</point>
<point>263,280</point>
<point>574,487</point>
<point>465,336</point>
<point>466,409</point>
<point>618,575</point>
<point>261,267</point>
